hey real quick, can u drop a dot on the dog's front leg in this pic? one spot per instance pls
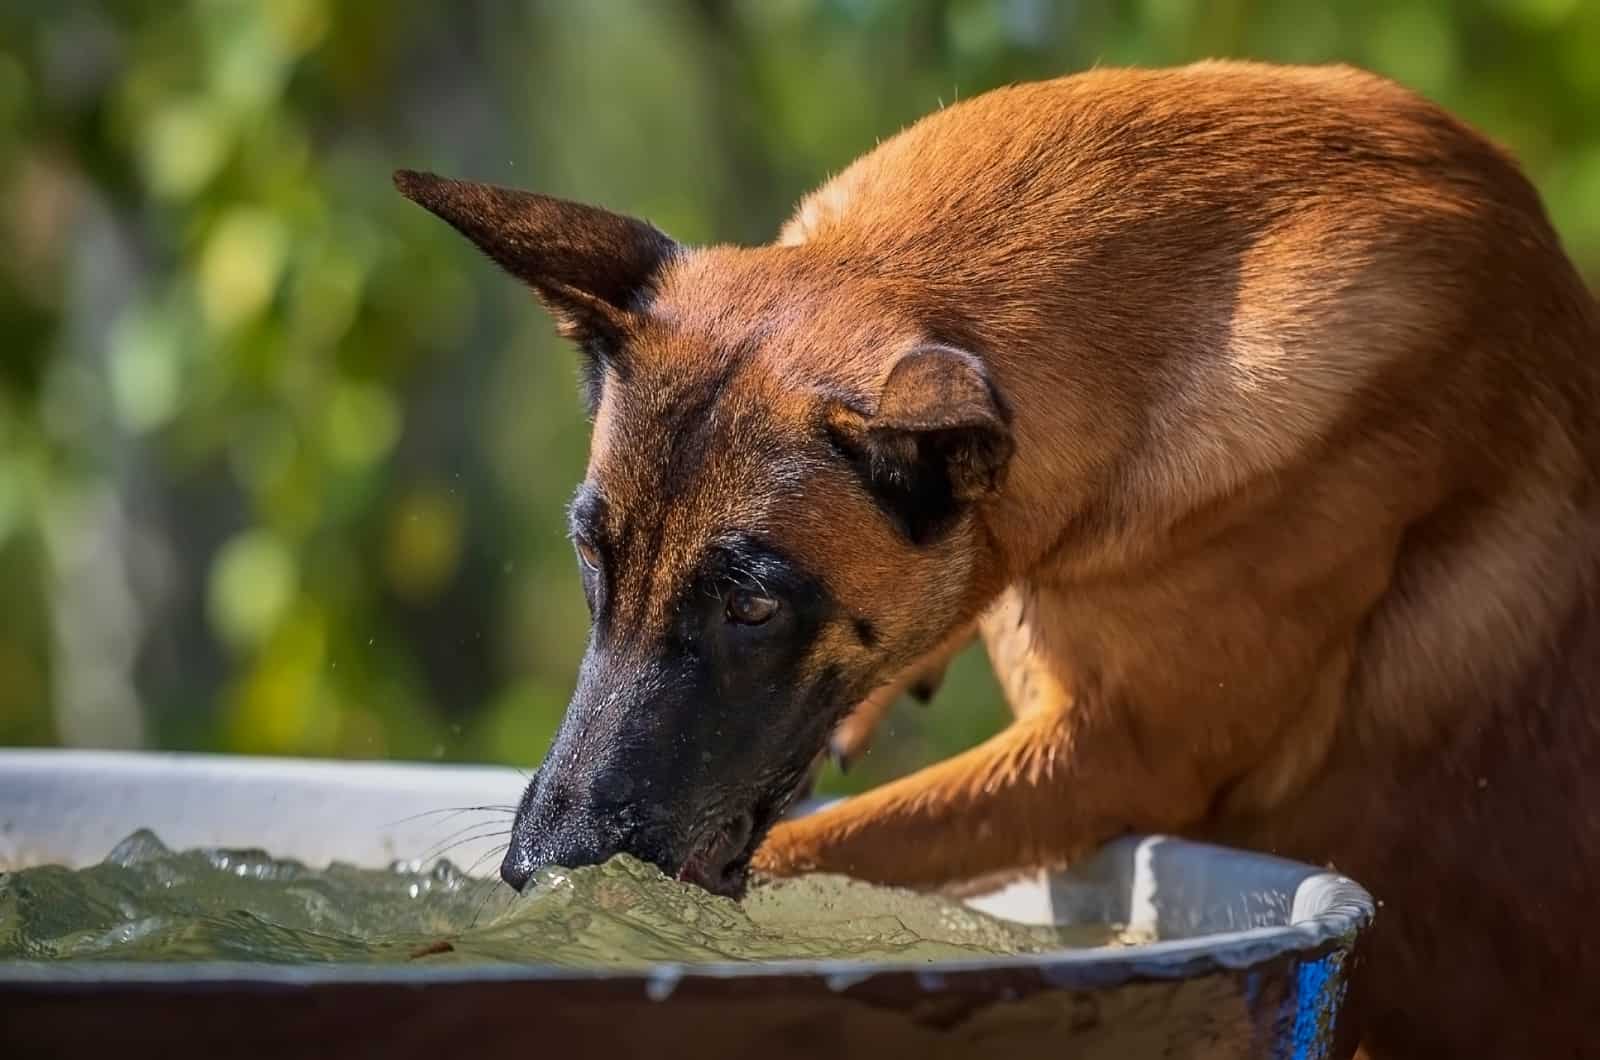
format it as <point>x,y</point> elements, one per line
<point>853,735</point>
<point>1059,781</point>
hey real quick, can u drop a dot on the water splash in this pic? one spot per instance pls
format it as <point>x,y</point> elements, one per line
<point>146,902</point>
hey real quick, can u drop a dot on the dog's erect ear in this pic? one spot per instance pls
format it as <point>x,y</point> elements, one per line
<point>590,267</point>
<point>937,440</point>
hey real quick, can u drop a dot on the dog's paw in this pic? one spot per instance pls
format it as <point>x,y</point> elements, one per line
<point>845,747</point>
<point>852,736</point>
<point>925,687</point>
<point>785,852</point>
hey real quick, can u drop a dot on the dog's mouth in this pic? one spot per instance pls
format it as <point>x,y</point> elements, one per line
<point>719,860</point>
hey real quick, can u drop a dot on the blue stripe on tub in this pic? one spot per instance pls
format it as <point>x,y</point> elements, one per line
<point>1318,989</point>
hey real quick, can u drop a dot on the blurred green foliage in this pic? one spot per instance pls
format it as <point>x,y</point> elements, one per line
<point>283,462</point>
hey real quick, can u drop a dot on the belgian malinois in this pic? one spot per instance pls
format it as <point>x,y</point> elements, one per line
<point>1251,415</point>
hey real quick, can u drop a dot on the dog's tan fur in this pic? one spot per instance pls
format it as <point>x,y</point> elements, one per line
<point>1282,526</point>
<point>1300,543</point>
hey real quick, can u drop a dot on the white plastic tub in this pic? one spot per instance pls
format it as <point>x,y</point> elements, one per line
<point>1252,961</point>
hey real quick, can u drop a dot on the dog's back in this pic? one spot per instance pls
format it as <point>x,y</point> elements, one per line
<point>1300,331</point>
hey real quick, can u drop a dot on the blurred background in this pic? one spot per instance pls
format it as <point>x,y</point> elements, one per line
<point>283,462</point>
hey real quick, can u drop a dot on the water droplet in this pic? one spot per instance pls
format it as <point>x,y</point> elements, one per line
<point>662,982</point>
<point>838,981</point>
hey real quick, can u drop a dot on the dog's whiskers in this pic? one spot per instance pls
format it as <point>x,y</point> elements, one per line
<point>458,839</point>
<point>490,885</point>
<point>452,811</point>
<point>485,856</point>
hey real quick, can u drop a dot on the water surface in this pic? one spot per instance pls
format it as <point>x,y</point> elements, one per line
<point>148,903</point>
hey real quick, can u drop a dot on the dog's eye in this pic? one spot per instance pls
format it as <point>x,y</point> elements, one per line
<point>588,555</point>
<point>750,608</point>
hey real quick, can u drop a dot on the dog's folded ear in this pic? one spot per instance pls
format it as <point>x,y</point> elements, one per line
<point>591,268</point>
<point>937,440</point>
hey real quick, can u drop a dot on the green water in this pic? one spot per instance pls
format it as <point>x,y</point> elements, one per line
<point>148,903</point>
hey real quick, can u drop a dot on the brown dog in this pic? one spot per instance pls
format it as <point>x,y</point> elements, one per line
<point>1251,414</point>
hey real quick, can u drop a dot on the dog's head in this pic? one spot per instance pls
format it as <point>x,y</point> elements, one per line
<point>781,507</point>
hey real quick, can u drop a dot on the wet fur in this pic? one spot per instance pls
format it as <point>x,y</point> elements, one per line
<point>1271,494</point>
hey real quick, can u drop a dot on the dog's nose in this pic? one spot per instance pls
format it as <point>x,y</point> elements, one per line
<point>573,843</point>
<point>517,869</point>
